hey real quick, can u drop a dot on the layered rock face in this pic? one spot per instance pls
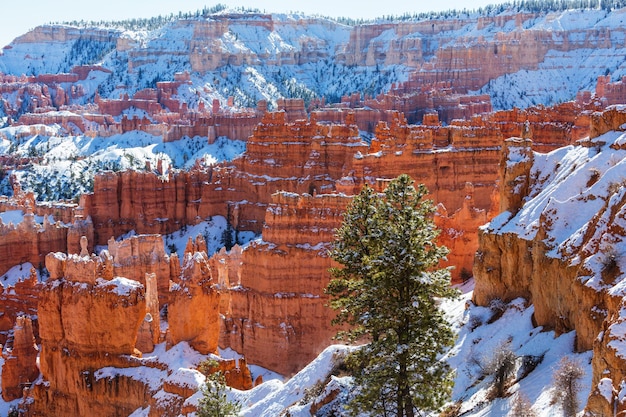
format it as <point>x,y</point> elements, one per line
<point>558,243</point>
<point>193,312</point>
<point>310,158</point>
<point>30,240</point>
<point>18,300</point>
<point>139,256</point>
<point>277,315</point>
<point>88,320</point>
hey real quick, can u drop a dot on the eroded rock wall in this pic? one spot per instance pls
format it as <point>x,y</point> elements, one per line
<point>88,320</point>
<point>558,243</point>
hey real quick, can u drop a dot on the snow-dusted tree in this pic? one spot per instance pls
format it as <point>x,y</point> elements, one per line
<point>214,401</point>
<point>501,365</point>
<point>521,407</point>
<point>387,291</point>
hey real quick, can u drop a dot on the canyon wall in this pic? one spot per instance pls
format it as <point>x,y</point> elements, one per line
<point>558,243</point>
<point>309,158</point>
<point>276,314</point>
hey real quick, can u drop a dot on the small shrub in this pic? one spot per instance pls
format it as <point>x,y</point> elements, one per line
<point>529,363</point>
<point>466,275</point>
<point>593,177</point>
<point>311,393</point>
<point>501,365</point>
<point>474,323</point>
<point>208,367</point>
<point>566,386</point>
<point>521,407</point>
<point>453,410</point>
<point>610,265</point>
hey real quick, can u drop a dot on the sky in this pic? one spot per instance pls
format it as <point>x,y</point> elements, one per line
<point>19,16</point>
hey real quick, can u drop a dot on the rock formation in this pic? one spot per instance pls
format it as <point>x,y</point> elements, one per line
<point>88,320</point>
<point>277,315</point>
<point>19,369</point>
<point>558,244</point>
<point>100,314</point>
<point>193,312</point>
<point>30,241</point>
<point>17,300</point>
<point>94,322</point>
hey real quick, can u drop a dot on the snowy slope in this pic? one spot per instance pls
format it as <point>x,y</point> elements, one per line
<point>292,55</point>
<point>576,190</point>
<point>478,339</point>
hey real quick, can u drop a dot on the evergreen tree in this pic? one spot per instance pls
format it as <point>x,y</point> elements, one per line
<point>214,402</point>
<point>387,290</point>
<point>227,237</point>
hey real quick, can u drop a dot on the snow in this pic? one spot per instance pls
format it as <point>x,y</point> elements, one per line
<point>17,273</point>
<point>605,388</point>
<point>478,337</point>
<point>474,344</point>
<point>212,230</point>
<point>561,191</point>
<point>12,216</point>
<point>119,285</point>
<point>17,216</point>
<point>272,397</point>
<point>576,199</point>
<point>477,341</point>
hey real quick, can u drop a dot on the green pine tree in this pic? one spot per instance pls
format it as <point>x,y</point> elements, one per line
<point>214,402</point>
<point>227,237</point>
<point>387,291</point>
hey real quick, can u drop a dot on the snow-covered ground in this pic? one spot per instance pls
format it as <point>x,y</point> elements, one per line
<point>17,273</point>
<point>213,232</point>
<point>479,340</point>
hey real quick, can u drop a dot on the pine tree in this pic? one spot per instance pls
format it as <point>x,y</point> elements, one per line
<point>214,402</point>
<point>387,290</point>
<point>227,237</point>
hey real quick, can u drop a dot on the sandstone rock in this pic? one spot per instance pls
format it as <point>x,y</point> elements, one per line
<point>517,160</point>
<point>139,257</point>
<point>193,311</point>
<point>19,369</point>
<point>86,323</point>
<point>19,300</point>
<point>279,305</point>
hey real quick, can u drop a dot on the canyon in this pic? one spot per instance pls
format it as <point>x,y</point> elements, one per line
<point>110,308</point>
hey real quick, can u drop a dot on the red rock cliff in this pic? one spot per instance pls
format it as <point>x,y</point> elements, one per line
<point>558,244</point>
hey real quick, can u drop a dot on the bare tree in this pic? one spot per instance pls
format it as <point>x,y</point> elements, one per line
<point>566,386</point>
<point>521,407</point>
<point>501,365</point>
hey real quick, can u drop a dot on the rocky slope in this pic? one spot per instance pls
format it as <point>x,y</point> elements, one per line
<point>558,243</point>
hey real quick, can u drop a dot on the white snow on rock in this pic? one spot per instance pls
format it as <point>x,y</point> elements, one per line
<point>119,285</point>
